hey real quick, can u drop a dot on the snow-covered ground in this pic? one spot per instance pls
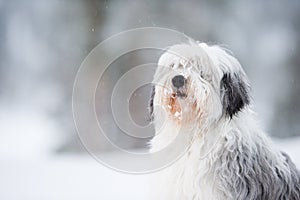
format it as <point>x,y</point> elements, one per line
<point>67,177</point>
<point>29,171</point>
<point>80,177</point>
<point>291,147</point>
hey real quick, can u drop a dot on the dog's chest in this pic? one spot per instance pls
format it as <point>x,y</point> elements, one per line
<point>187,179</point>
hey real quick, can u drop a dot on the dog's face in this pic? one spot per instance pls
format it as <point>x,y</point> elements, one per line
<point>198,84</point>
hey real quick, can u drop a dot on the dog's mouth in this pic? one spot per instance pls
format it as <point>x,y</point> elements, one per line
<point>180,94</point>
<point>174,103</point>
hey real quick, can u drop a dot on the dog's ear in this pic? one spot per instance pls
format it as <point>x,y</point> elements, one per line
<point>234,93</point>
<point>151,108</point>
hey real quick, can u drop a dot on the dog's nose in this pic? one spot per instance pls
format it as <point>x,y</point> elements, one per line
<point>178,81</point>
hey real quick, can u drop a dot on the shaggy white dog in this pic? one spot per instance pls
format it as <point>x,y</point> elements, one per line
<point>203,94</point>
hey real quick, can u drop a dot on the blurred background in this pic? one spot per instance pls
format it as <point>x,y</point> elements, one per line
<point>43,44</point>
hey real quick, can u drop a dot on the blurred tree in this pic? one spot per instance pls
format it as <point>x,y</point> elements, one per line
<point>84,21</point>
<point>286,120</point>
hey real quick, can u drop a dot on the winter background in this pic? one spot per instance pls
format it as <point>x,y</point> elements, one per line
<point>43,44</point>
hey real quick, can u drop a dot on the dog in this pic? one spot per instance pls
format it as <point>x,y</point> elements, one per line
<point>201,92</point>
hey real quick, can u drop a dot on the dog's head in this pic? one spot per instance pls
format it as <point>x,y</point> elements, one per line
<point>198,83</point>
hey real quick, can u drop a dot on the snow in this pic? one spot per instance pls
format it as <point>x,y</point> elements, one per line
<point>67,177</point>
<point>81,177</point>
<point>177,114</point>
<point>290,146</point>
<point>25,133</point>
<point>30,171</point>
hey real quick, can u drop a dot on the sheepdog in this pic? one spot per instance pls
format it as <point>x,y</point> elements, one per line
<point>202,93</point>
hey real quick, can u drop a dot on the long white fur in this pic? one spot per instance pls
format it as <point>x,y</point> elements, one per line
<point>229,158</point>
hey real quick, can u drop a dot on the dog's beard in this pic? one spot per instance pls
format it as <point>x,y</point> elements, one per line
<point>175,104</point>
<point>181,106</point>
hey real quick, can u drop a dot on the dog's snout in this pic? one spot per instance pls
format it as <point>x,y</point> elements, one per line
<point>178,81</point>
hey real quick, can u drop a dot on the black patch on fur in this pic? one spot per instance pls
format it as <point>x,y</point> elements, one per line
<point>151,104</point>
<point>235,94</point>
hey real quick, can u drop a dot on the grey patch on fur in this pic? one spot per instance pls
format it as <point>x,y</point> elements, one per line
<point>246,172</point>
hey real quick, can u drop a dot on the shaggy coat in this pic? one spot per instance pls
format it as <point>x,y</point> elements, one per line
<point>229,156</point>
